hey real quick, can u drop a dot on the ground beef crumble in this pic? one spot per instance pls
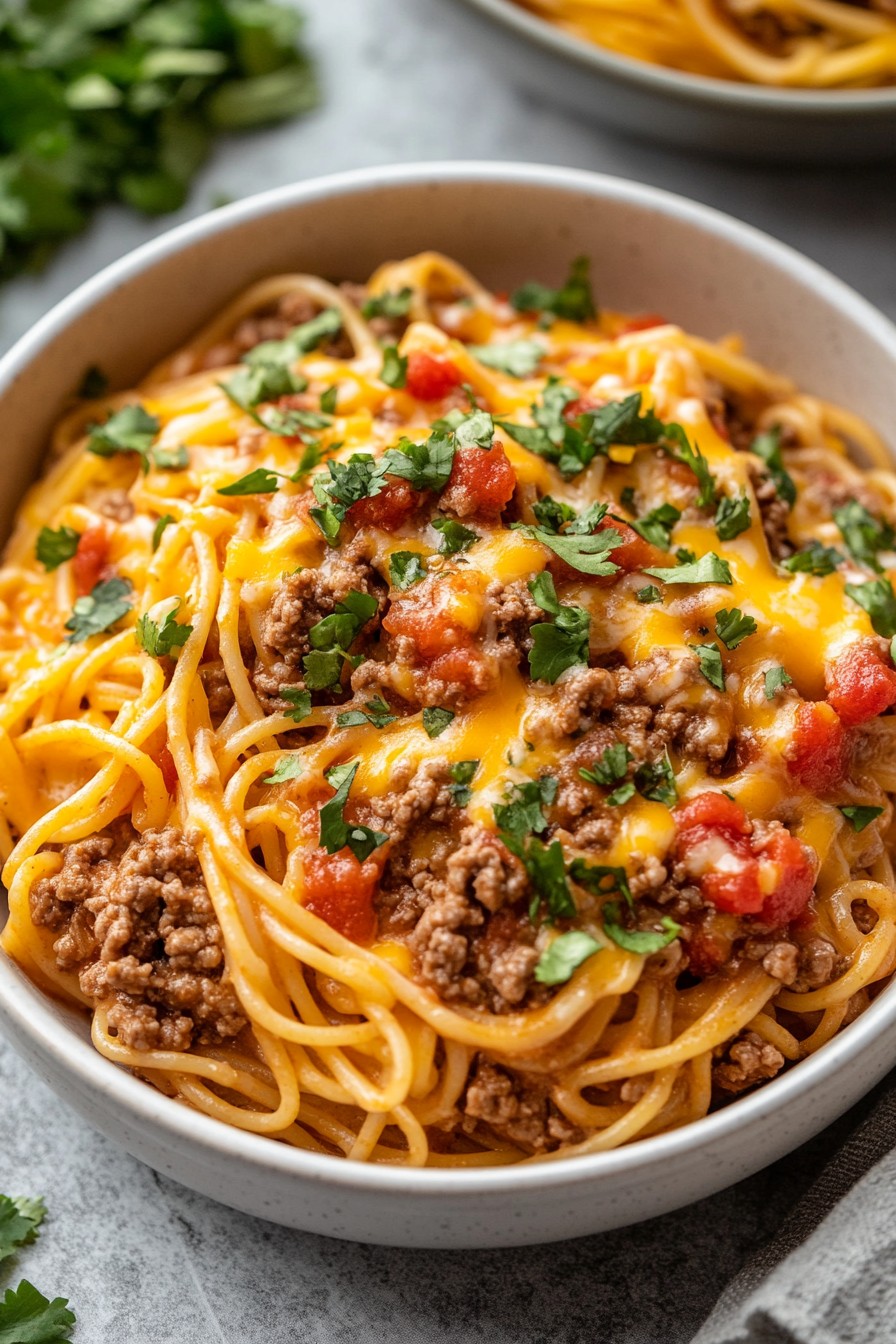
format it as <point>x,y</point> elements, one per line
<point>136,922</point>
<point>515,1107</point>
<point>748,1060</point>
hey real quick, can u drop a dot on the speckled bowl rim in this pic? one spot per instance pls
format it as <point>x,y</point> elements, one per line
<point>35,1018</point>
<point>803,103</point>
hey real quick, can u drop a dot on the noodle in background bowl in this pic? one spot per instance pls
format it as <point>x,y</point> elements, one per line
<point>716,116</point>
<point>651,251</point>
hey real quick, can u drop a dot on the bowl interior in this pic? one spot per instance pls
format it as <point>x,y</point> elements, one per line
<point>650,252</point>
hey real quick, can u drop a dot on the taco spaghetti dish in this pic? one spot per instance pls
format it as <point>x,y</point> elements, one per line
<point>811,44</point>
<point>444,728</point>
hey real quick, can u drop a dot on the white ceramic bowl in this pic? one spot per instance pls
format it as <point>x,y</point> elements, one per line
<point>651,252</point>
<point>716,116</point>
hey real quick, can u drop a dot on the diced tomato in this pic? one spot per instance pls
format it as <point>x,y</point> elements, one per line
<point>860,684</point>
<point>715,811</point>
<point>709,945</point>
<point>464,666</point>
<point>168,768</point>
<point>580,406</point>
<point>340,889</point>
<point>422,618</point>
<point>481,481</point>
<point>429,378</point>
<point>642,323</point>
<point>90,560</point>
<point>817,755</point>
<point>389,509</point>
<point>794,880</point>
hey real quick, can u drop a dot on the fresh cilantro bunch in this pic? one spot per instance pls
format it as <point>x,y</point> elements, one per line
<point>26,1316</point>
<point>118,100</point>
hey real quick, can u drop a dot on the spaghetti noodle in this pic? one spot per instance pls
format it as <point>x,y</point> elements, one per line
<point>444,729</point>
<point>812,44</point>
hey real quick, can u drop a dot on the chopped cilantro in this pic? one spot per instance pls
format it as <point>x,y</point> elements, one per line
<point>522,814</point>
<point>163,522</point>
<point>710,568</point>
<point>573,301</point>
<point>426,465</point>
<point>612,766</point>
<point>455,537</point>
<point>859,817</point>
<point>394,303</point>
<point>462,773</point>
<point>644,942</point>
<point>171,459</point>
<point>130,430</point>
<point>879,600</point>
<point>255,383</point>
<point>361,477</point>
<point>329,398</point>
<point>600,879</point>
<point>546,869</point>
<point>768,447</point>
<point>564,955</point>
<point>689,454</point>
<point>710,659</point>
<point>55,547</point>
<point>863,534</point>
<point>586,552</point>
<point>733,627</point>
<point>406,568</point>
<point>375,711</point>
<point>160,639</point>
<point>301,340</point>
<point>261,481</point>
<point>518,358</point>
<point>732,516</point>
<point>300,701</point>
<point>551,514</point>
<point>288,767</point>
<point>335,832</point>
<point>656,780</point>
<point>775,679</point>
<point>436,720</point>
<point>394,372</point>
<point>649,594</point>
<point>561,645</point>
<point>332,637</point>
<point>100,610</point>
<point>656,526</point>
<point>813,559</point>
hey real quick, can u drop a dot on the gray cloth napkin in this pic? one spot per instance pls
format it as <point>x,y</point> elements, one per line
<point>829,1275</point>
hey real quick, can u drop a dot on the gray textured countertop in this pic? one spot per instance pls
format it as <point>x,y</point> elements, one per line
<point>145,1261</point>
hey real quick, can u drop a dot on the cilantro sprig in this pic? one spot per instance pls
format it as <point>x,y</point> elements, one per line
<point>573,300</point>
<point>161,638</point>
<point>55,546</point>
<point>860,816</point>
<point>559,645</point>
<point>332,637</point>
<point>564,955</point>
<point>129,430</point>
<point>864,536</point>
<point>102,608</point>
<point>768,447</point>
<point>335,832</point>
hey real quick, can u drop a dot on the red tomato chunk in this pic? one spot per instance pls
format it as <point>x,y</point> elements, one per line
<point>423,620</point>
<point>860,684</point>
<point>429,378</point>
<point>90,560</point>
<point>340,891</point>
<point>389,509</point>
<point>817,755</point>
<point>481,481</point>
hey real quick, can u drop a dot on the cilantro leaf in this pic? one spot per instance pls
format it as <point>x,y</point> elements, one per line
<point>572,443</point>
<point>863,534</point>
<point>455,537</point>
<point>689,454</point>
<point>394,372</point>
<point>55,547</point>
<point>331,638</point>
<point>406,568</point>
<point>551,514</point>
<point>710,568</point>
<point>768,447</point>
<point>710,659</point>
<point>649,594</point>
<point>518,358</point>
<point>436,720</point>
<point>775,679</point>
<point>564,955</point>
<point>161,639</point>
<point>27,1317</point>
<point>586,552</point>
<point>261,481</point>
<point>561,645</point>
<point>159,528</point>
<point>733,627</point>
<point>732,516</point>
<point>19,1220</point>
<point>613,765</point>
<point>328,399</point>
<point>300,700</point>
<point>130,430</point>
<point>573,301</point>
<point>644,942</point>
<point>171,459</point>
<point>813,559</point>
<point>301,340</point>
<point>656,526</point>
<point>288,767</point>
<point>600,879</point>
<point>335,832</point>
<point>656,780</point>
<point>545,866</point>
<point>859,817</point>
<point>426,465</point>
<point>394,303</point>
<point>100,610</point>
<point>522,814</point>
<point>376,712</point>
<point>462,773</point>
<point>258,382</point>
<point>879,600</point>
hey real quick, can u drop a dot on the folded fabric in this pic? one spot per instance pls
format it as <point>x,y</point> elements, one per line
<point>829,1276</point>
